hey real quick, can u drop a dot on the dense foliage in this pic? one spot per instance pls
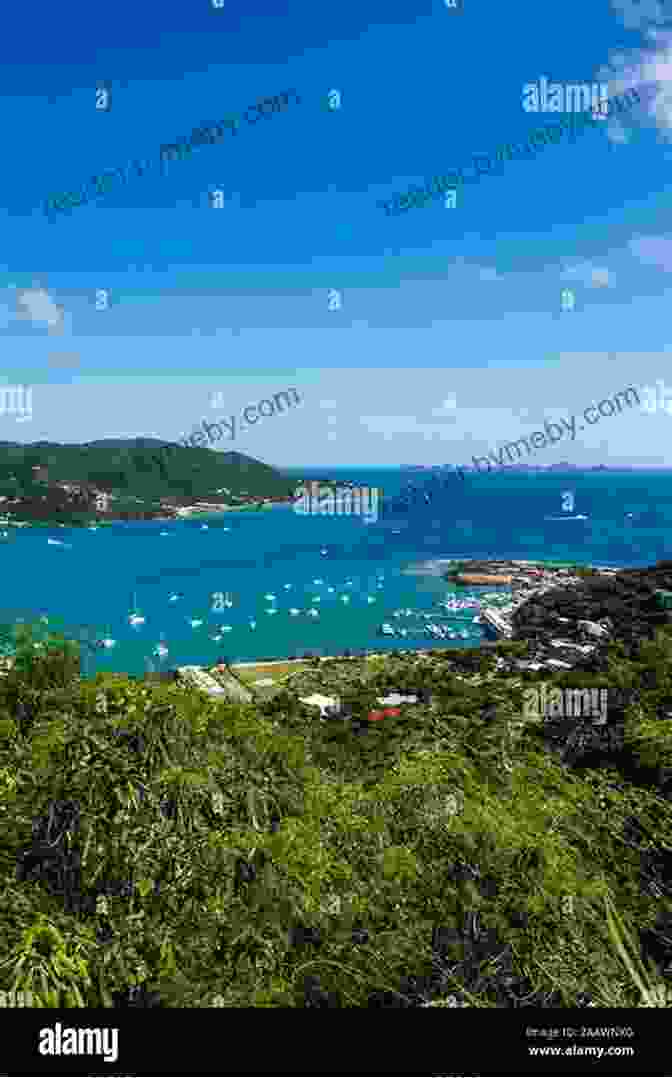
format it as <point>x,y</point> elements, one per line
<point>160,848</point>
<point>130,469</point>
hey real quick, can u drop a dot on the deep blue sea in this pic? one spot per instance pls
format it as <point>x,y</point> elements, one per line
<point>95,577</point>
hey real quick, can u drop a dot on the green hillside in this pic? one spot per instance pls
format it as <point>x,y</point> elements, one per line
<point>140,468</point>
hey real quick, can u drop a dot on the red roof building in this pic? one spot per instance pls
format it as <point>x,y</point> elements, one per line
<point>375,716</point>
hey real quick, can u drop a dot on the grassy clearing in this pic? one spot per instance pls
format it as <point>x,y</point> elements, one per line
<point>250,674</point>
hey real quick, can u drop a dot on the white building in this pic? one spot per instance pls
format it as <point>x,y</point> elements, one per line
<point>394,699</point>
<point>325,703</point>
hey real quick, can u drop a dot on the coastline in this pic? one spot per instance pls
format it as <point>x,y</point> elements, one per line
<point>102,522</point>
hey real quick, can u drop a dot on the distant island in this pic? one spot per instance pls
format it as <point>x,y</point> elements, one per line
<point>564,466</point>
<point>114,479</point>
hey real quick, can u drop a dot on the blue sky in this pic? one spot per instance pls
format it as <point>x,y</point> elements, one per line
<point>437,305</point>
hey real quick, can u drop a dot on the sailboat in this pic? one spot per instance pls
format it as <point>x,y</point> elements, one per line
<point>106,641</point>
<point>161,649</point>
<point>134,617</point>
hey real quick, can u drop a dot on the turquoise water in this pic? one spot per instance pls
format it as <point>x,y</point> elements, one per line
<point>91,578</point>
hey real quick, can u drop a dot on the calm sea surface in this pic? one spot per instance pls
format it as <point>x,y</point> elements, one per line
<point>95,577</point>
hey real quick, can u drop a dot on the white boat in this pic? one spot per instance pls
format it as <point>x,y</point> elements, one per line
<point>54,542</point>
<point>318,582</point>
<point>227,600</point>
<point>174,597</point>
<point>270,597</point>
<point>272,610</point>
<point>387,629</point>
<point>227,628</point>
<point>204,527</point>
<point>164,533</point>
<point>323,550</point>
<point>107,642</point>
<point>216,638</point>
<point>331,589</point>
<point>345,598</point>
<point>294,611</point>
<point>94,527</point>
<point>161,650</point>
<point>313,613</point>
<point>253,625</point>
<point>317,599</point>
<point>194,622</point>
<point>370,599</point>
<point>348,583</point>
<point>134,617</point>
<point>286,586</point>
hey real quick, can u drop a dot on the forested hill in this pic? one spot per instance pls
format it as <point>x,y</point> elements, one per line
<point>142,467</point>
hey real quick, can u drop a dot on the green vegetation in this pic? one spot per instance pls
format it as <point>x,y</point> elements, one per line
<point>208,854</point>
<point>140,473</point>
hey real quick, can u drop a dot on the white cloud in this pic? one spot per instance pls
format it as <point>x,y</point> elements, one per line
<point>391,425</point>
<point>6,315</point>
<point>447,408</point>
<point>647,69</point>
<point>635,14</point>
<point>589,275</point>
<point>489,273</point>
<point>656,249</point>
<point>40,307</point>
